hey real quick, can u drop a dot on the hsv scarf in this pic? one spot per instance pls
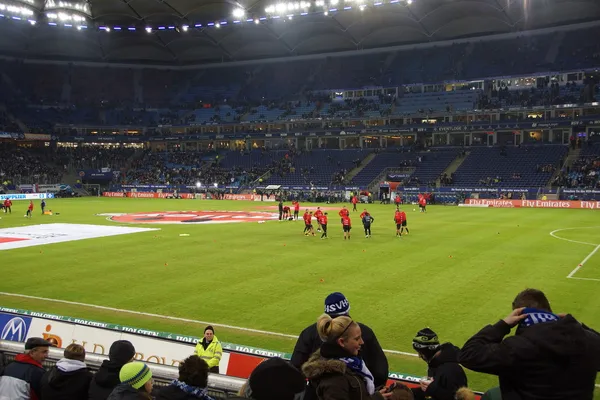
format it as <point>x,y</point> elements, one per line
<point>193,390</point>
<point>359,367</point>
<point>535,316</point>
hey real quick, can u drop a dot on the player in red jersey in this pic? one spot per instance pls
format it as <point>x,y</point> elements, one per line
<point>318,215</point>
<point>286,212</point>
<point>308,228</point>
<point>403,219</point>
<point>347,226</point>
<point>30,209</point>
<point>296,209</point>
<point>343,213</point>
<point>365,212</point>
<point>397,200</point>
<point>354,201</point>
<point>422,203</point>
<point>8,206</point>
<point>323,223</point>
<point>398,221</point>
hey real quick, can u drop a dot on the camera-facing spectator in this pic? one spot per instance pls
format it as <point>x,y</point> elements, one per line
<point>445,375</point>
<point>551,356</point>
<point>210,350</point>
<point>21,379</point>
<point>107,378</point>
<point>191,384</point>
<point>70,378</point>
<point>136,383</point>
<point>335,370</point>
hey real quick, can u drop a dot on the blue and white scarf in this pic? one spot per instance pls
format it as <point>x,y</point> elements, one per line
<point>201,393</point>
<point>360,368</point>
<point>535,316</point>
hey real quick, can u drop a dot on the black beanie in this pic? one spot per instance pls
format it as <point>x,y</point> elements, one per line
<point>276,379</point>
<point>121,351</point>
<point>209,328</point>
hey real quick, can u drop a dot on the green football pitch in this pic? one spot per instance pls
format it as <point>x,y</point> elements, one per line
<point>458,270</point>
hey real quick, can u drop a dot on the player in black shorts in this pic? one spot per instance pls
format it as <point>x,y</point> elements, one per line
<point>324,226</point>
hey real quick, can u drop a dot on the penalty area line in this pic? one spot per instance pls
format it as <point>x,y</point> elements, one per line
<point>582,263</point>
<point>179,319</point>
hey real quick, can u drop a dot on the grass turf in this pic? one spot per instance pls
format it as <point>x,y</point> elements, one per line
<point>457,271</point>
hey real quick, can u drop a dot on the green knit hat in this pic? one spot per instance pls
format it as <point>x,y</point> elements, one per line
<point>135,374</point>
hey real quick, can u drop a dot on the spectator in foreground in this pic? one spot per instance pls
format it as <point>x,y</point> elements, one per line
<point>210,349</point>
<point>21,379</point>
<point>336,371</point>
<point>551,356</point>
<point>70,378</point>
<point>107,378</point>
<point>446,376</point>
<point>371,352</point>
<point>464,393</point>
<point>192,383</point>
<point>274,379</point>
<point>401,392</point>
<point>136,382</point>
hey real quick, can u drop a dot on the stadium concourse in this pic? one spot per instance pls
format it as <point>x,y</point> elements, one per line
<point>485,103</point>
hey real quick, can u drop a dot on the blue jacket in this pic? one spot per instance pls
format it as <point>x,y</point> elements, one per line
<point>21,379</point>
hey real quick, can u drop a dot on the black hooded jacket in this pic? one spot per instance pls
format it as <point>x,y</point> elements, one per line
<point>552,360</point>
<point>448,376</point>
<point>105,380</point>
<point>67,380</point>
<point>371,352</point>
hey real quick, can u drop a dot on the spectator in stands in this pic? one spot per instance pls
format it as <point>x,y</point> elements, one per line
<point>21,379</point>
<point>136,383</point>
<point>107,378</point>
<point>209,349</point>
<point>371,352</point>
<point>274,379</point>
<point>446,375</point>
<point>69,378</point>
<point>192,382</point>
<point>336,371</point>
<point>551,356</point>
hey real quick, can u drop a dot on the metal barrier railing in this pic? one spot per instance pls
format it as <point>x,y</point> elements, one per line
<point>162,374</point>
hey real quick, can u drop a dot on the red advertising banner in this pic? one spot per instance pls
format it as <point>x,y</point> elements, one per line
<point>149,195</point>
<point>239,196</point>
<point>498,203</point>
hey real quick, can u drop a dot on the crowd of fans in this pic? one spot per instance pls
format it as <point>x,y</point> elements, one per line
<point>27,165</point>
<point>340,358</point>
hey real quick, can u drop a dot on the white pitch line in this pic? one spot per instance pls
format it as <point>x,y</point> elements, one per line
<point>553,234</point>
<point>581,264</point>
<point>193,321</point>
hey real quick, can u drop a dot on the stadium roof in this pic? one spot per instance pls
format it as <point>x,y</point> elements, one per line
<point>395,22</point>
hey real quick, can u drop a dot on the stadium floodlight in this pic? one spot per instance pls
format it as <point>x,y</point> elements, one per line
<point>32,22</point>
<point>290,16</point>
<point>333,2</point>
<point>320,3</point>
<point>326,13</point>
<point>239,13</point>
<point>185,28</point>
<point>216,184</point>
<point>198,184</point>
<point>256,21</point>
<point>409,2</point>
<point>148,29</point>
<point>217,25</point>
<point>362,7</point>
<point>107,29</point>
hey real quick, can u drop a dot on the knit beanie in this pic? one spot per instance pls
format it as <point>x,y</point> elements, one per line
<point>135,374</point>
<point>336,304</point>
<point>121,351</point>
<point>209,328</point>
<point>426,339</point>
<point>276,379</point>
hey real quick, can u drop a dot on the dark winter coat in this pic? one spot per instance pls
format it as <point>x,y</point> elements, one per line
<point>105,380</point>
<point>67,380</point>
<point>174,393</point>
<point>552,360</point>
<point>21,379</point>
<point>448,376</point>
<point>127,392</point>
<point>371,352</point>
<point>332,380</point>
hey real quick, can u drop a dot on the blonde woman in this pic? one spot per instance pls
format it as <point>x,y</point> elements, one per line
<point>335,370</point>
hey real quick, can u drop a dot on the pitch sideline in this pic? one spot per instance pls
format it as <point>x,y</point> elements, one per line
<point>586,259</point>
<point>179,319</point>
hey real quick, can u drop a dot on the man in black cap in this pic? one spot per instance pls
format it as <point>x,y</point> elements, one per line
<point>371,352</point>
<point>107,378</point>
<point>21,379</point>
<point>274,379</point>
<point>444,374</point>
